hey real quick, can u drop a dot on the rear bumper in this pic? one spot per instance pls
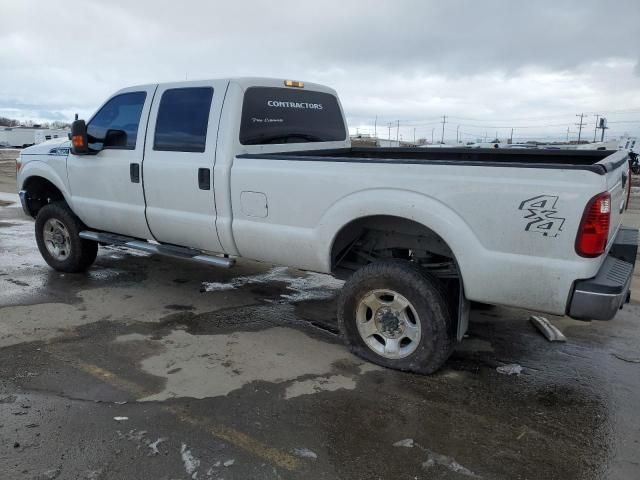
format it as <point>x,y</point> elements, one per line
<point>601,297</point>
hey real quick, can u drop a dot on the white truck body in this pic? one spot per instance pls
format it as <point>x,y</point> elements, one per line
<point>508,220</point>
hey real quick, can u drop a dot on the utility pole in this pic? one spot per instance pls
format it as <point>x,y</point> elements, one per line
<point>511,137</point>
<point>457,131</point>
<point>389,125</point>
<point>432,135</point>
<point>375,127</point>
<point>414,135</point>
<point>580,125</point>
<point>603,128</point>
<point>398,132</point>
<point>444,120</point>
<point>567,134</point>
<point>595,130</point>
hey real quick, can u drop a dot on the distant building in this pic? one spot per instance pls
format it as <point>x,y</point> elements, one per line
<point>366,140</point>
<point>21,137</point>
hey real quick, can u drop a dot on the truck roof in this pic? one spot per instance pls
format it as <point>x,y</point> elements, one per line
<point>244,83</point>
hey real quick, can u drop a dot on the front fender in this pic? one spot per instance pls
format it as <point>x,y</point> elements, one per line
<point>406,204</point>
<point>38,168</point>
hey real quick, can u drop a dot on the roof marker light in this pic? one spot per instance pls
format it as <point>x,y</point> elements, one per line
<point>293,83</point>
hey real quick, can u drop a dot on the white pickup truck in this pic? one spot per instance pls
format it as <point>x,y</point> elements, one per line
<point>263,169</point>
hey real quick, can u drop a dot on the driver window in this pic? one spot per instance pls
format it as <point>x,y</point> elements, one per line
<point>115,126</point>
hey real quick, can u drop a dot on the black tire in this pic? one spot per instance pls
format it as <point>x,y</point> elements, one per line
<point>82,253</point>
<point>427,298</point>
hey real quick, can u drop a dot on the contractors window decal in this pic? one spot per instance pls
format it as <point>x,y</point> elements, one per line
<point>310,106</point>
<point>272,115</point>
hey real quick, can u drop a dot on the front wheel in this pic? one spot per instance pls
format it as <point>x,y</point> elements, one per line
<point>58,238</point>
<point>394,314</point>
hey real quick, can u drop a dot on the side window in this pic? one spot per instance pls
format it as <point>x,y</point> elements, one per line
<point>183,118</point>
<point>116,124</point>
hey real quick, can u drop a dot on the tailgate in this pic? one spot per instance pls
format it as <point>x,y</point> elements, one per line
<point>617,166</point>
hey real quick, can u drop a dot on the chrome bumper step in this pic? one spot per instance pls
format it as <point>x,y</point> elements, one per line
<point>167,250</point>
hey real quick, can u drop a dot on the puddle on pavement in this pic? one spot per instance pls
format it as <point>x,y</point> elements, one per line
<point>202,366</point>
<point>27,279</point>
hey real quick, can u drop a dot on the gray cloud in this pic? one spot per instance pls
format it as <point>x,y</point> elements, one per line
<point>411,60</point>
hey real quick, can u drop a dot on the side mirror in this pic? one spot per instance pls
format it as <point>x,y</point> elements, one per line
<point>115,138</point>
<point>79,143</point>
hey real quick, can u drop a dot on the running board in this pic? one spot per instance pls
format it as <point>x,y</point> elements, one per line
<point>167,250</point>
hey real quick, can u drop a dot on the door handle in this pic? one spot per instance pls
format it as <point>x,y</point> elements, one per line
<point>204,179</point>
<point>134,172</point>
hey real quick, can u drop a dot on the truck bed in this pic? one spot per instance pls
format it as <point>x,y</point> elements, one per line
<point>597,161</point>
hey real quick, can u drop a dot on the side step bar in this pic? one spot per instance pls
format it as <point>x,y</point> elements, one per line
<point>167,250</point>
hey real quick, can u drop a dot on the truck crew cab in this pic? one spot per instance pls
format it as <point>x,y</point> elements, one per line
<point>262,168</point>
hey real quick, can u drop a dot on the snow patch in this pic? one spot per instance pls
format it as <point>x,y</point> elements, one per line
<point>305,453</point>
<point>191,463</point>
<point>310,286</point>
<point>319,384</point>
<point>154,446</point>
<point>434,459</point>
<point>511,369</point>
<point>407,442</point>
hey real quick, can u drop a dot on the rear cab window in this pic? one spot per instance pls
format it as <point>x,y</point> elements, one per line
<point>183,120</point>
<point>272,115</point>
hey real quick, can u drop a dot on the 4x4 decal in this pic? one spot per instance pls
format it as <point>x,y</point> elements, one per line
<point>541,215</point>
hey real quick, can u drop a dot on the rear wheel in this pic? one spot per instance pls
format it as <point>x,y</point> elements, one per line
<point>58,238</point>
<point>394,314</point>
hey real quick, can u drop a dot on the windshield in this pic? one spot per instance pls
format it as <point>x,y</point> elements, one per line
<point>273,115</point>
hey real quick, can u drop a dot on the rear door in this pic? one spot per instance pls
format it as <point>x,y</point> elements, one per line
<point>178,164</point>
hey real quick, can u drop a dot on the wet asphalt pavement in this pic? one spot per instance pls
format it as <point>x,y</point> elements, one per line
<point>152,368</point>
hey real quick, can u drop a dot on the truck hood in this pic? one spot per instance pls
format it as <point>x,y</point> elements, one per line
<point>55,146</point>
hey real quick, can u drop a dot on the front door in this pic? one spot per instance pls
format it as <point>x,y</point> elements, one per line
<point>178,164</point>
<point>106,188</point>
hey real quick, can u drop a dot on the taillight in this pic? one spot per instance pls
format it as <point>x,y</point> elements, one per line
<point>594,227</point>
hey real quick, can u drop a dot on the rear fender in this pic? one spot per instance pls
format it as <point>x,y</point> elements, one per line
<point>403,204</point>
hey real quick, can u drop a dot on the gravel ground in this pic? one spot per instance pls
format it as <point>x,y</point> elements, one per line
<point>8,170</point>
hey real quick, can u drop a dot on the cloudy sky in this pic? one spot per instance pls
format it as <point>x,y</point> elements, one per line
<point>487,65</point>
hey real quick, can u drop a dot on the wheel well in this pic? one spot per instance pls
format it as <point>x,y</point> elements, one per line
<point>40,192</point>
<point>381,237</point>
